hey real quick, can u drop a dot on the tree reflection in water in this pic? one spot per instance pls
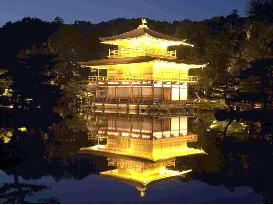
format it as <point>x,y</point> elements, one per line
<point>244,154</point>
<point>17,192</point>
<point>241,157</point>
<point>30,153</point>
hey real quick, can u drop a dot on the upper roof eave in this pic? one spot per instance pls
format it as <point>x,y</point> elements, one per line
<point>141,32</point>
<point>139,59</point>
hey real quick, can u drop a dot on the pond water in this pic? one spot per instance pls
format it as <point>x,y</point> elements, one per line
<point>139,158</point>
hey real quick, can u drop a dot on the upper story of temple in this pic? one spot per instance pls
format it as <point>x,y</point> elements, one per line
<point>143,41</point>
<point>142,55</point>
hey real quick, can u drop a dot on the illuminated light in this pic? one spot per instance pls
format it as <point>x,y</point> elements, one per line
<point>146,136</point>
<point>159,149</point>
<point>158,136</point>
<point>154,71</point>
<point>141,174</point>
<point>109,105</point>
<point>7,93</point>
<point>143,45</point>
<point>134,52</point>
<point>22,129</point>
<point>158,85</point>
<point>145,40</point>
<point>143,23</point>
<point>127,153</point>
<point>112,133</point>
<point>142,192</point>
<point>146,131</point>
<point>135,135</point>
<point>98,147</point>
<point>176,134</point>
<point>125,134</point>
<point>6,137</point>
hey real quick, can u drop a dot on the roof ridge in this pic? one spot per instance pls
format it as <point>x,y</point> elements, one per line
<point>140,31</point>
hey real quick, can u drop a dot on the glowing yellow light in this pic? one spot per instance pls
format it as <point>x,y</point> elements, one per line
<point>156,70</point>
<point>129,147</point>
<point>143,23</point>
<point>22,129</point>
<point>7,93</point>
<point>154,150</point>
<point>142,193</point>
<point>141,174</point>
<point>6,136</point>
<point>145,41</point>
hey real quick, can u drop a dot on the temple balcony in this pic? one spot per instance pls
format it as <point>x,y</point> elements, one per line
<point>134,52</point>
<point>144,77</point>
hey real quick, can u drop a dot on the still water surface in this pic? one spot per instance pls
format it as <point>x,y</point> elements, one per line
<point>141,158</point>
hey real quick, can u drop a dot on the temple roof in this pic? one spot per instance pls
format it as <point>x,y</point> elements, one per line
<point>113,61</point>
<point>128,60</point>
<point>150,157</point>
<point>141,183</point>
<point>141,31</point>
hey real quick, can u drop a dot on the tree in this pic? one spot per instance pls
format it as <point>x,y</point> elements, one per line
<point>27,156</point>
<point>261,10</point>
<point>68,43</point>
<point>252,64</point>
<point>32,82</point>
<point>58,20</point>
<point>22,35</point>
<point>256,83</point>
<point>17,192</point>
<point>5,82</point>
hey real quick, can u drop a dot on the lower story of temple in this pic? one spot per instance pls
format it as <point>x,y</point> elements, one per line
<point>154,92</point>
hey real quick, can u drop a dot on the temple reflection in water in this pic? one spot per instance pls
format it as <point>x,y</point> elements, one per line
<point>141,149</point>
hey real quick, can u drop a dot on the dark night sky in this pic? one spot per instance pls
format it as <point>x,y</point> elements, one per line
<point>103,10</point>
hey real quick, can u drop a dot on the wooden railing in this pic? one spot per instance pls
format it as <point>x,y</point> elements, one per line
<point>133,52</point>
<point>159,78</point>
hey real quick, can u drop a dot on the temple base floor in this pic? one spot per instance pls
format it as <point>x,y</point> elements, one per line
<point>167,107</point>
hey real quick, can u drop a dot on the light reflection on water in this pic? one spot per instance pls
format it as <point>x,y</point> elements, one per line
<point>137,158</point>
<point>143,149</point>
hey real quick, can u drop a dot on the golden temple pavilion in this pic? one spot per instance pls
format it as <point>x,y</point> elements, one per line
<point>141,69</point>
<point>142,149</point>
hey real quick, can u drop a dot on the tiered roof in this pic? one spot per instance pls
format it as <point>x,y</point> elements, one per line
<point>141,32</point>
<point>138,32</point>
<point>137,59</point>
